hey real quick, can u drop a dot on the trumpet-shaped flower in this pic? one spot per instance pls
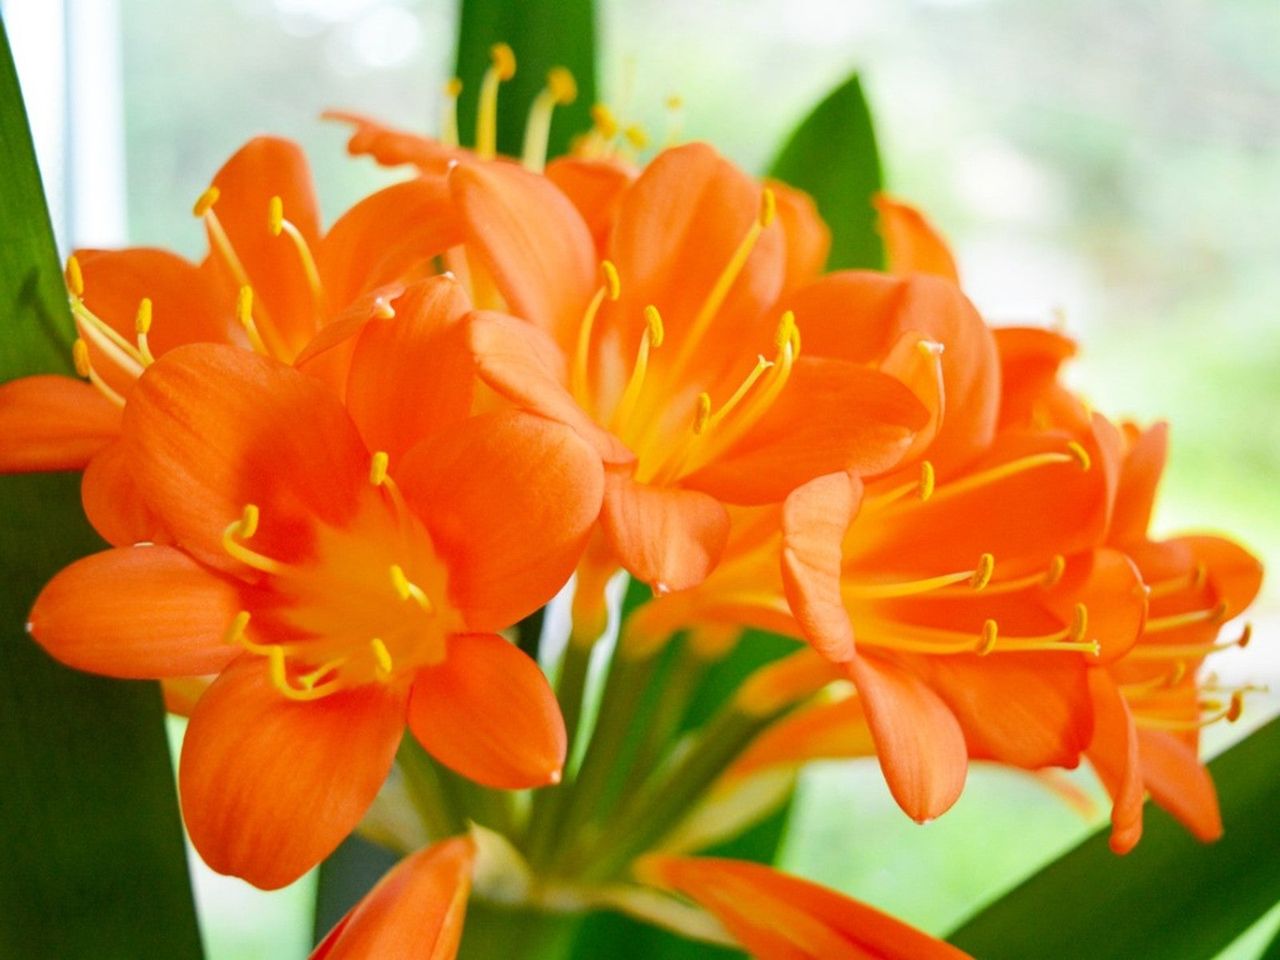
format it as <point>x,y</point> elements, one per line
<point>339,589</point>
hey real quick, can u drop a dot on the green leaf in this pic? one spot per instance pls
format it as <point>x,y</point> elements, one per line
<point>832,155</point>
<point>543,34</point>
<point>93,860</point>
<point>347,875</point>
<point>1171,898</point>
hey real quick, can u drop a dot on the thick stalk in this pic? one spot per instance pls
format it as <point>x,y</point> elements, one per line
<point>430,795</point>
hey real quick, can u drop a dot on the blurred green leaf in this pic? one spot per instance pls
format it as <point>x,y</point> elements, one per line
<point>832,155</point>
<point>543,34</point>
<point>1171,898</point>
<point>93,860</point>
<point>347,875</point>
<point>1273,950</point>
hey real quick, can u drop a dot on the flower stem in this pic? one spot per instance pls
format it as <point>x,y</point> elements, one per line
<point>431,796</point>
<point>496,932</point>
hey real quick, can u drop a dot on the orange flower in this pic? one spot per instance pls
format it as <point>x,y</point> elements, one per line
<point>415,912</point>
<point>779,917</point>
<point>344,572</point>
<point>269,282</point>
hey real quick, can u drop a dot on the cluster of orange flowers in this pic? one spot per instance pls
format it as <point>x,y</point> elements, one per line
<point>333,466</point>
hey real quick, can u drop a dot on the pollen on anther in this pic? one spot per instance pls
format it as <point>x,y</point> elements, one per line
<point>239,623</point>
<point>80,356</point>
<point>206,201</point>
<point>1079,621</point>
<point>786,330</point>
<point>244,305</point>
<point>249,521</point>
<point>1245,636</point>
<point>636,136</point>
<point>382,655</point>
<point>768,207</point>
<point>1077,450</point>
<point>453,87</point>
<point>653,322</point>
<point>1057,567</point>
<point>75,279</point>
<point>604,121</point>
<point>564,89</point>
<point>990,633</point>
<point>275,216</point>
<point>613,285</point>
<point>504,61</point>
<point>986,568</point>
<point>927,480</point>
<point>142,321</point>
<point>378,468</point>
<point>703,413</point>
<point>1236,708</point>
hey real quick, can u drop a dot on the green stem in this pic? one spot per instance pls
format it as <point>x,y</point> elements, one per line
<point>430,796</point>
<point>494,932</point>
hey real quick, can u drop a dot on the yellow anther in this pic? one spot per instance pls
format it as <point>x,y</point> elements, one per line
<point>1057,567</point>
<point>1080,454</point>
<point>768,207</point>
<point>244,306</point>
<point>204,203</point>
<point>235,630</point>
<point>406,589</point>
<point>504,61</point>
<point>382,656</point>
<point>75,278</point>
<point>982,575</point>
<point>786,331</point>
<point>1200,575</point>
<point>248,521</point>
<point>605,122</point>
<point>1245,636</point>
<point>561,85</point>
<point>453,87</point>
<point>1237,707</point>
<point>275,216</point>
<point>1079,623</point>
<point>636,136</point>
<point>929,349</point>
<point>990,633</point>
<point>1177,674</point>
<point>80,357</point>
<point>612,285</point>
<point>142,320</point>
<point>378,468</point>
<point>927,479</point>
<point>702,414</point>
<point>654,328</point>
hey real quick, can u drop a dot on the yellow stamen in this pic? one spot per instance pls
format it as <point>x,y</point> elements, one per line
<point>74,276</point>
<point>977,580</point>
<point>1191,651</point>
<point>502,68</point>
<point>611,288</point>
<point>1078,451</point>
<point>279,674</point>
<point>649,340</point>
<point>720,289</point>
<point>560,90</point>
<point>244,529</point>
<point>927,480</point>
<point>378,468</point>
<point>142,325</point>
<point>234,635</point>
<point>1193,581</point>
<point>244,316</point>
<point>382,657</point>
<point>277,223</point>
<point>975,480</point>
<point>675,119</point>
<point>1163,682</point>
<point>309,680</point>
<point>84,367</point>
<point>1231,713</point>
<point>203,209</point>
<point>1173,622</point>
<point>606,123</point>
<point>702,414</point>
<point>932,640</point>
<point>636,136</point>
<point>449,113</point>
<point>123,353</point>
<point>204,203</point>
<point>406,589</point>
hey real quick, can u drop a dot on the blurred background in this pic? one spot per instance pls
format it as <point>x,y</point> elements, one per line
<point>1115,165</point>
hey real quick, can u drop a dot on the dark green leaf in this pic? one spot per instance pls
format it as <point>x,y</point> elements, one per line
<point>832,155</point>
<point>1171,898</point>
<point>1273,950</point>
<point>543,34</point>
<point>91,855</point>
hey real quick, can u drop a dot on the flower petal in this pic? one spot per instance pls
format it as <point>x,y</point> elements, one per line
<point>1030,358</point>
<point>390,236</point>
<point>780,917</point>
<point>1114,755</point>
<point>911,242</point>
<point>808,239</point>
<point>1234,574</point>
<point>415,912</point>
<point>271,786</point>
<point>211,429</point>
<point>488,712</point>
<point>814,520</point>
<point>137,612</point>
<point>509,499</point>
<point>412,374</point>
<point>48,422</point>
<point>824,731</point>
<point>918,739</point>
<point>1179,783</point>
<point>1114,596</point>
<point>391,147</point>
<point>531,239</point>
<point>115,504</point>
<point>668,538</point>
<point>595,188</point>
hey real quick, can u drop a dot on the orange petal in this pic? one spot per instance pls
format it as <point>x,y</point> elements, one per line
<point>532,240</point>
<point>1114,755</point>
<point>271,786</point>
<point>138,612</point>
<point>780,917</point>
<point>412,374</point>
<point>1180,783</point>
<point>808,239</point>
<point>185,306</point>
<point>49,422</point>
<point>1111,588</point>
<point>415,912</point>
<point>831,416</point>
<point>181,694</point>
<point>1030,358</point>
<point>918,739</point>
<point>488,712</point>
<point>114,503</point>
<point>509,499</point>
<point>388,237</point>
<point>1234,574</point>
<point>814,521</point>
<point>595,188</point>
<point>391,147</point>
<point>263,168</point>
<point>860,315</point>
<point>1139,475</point>
<point>211,429</point>
<point>827,731</point>
<point>668,538</point>
<point>523,364</point>
<point>917,363</point>
<point>911,242</point>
